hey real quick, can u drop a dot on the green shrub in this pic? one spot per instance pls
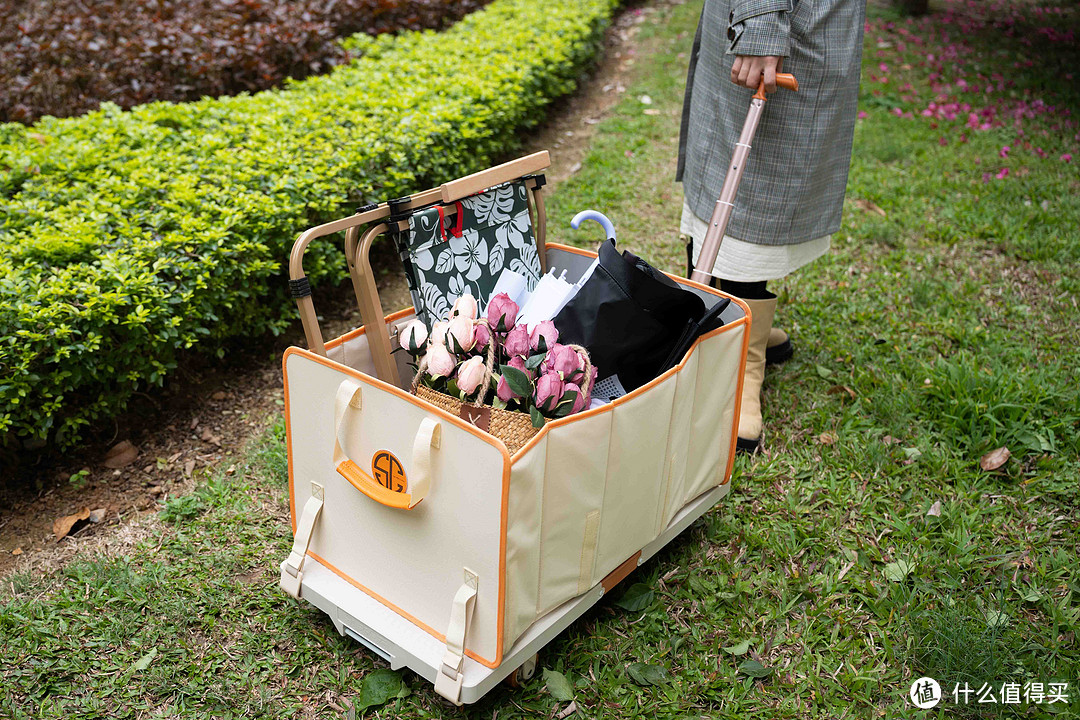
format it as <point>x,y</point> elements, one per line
<point>132,236</point>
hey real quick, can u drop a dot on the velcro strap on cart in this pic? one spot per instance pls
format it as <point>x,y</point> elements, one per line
<point>292,567</point>
<point>451,672</point>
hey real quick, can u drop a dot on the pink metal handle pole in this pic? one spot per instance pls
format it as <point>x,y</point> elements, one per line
<point>710,247</point>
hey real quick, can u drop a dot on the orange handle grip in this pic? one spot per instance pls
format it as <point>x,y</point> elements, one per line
<point>367,485</point>
<point>784,80</point>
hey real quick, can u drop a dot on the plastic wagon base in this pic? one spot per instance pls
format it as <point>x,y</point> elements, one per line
<point>363,618</point>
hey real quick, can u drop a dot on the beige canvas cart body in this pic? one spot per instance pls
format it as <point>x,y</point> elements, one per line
<point>425,540</point>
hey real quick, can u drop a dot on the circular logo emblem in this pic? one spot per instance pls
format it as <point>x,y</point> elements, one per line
<point>925,693</point>
<point>388,472</point>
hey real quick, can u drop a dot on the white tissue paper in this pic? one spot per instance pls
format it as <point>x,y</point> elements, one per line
<point>547,299</point>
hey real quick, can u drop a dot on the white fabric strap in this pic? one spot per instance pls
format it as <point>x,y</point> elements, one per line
<point>428,437</point>
<point>448,681</point>
<point>349,395</point>
<point>292,567</point>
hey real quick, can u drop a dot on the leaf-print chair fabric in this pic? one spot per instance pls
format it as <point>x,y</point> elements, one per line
<point>449,254</point>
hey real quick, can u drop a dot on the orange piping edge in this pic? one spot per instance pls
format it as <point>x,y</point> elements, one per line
<point>656,381</point>
<point>498,444</point>
<point>415,621</point>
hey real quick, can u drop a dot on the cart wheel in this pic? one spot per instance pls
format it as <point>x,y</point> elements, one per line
<point>524,673</point>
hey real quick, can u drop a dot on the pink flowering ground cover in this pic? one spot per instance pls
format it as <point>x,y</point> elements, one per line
<point>987,94</point>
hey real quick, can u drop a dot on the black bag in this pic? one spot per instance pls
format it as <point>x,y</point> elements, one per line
<point>635,321</point>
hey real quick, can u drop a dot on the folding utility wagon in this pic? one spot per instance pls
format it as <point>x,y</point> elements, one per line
<point>424,539</point>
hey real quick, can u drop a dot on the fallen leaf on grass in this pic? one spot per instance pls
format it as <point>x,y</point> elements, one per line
<point>827,438</point>
<point>994,459</point>
<point>645,674</point>
<point>559,687</point>
<point>219,395</point>
<point>145,660</point>
<point>379,686</point>
<point>567,711</point>
<point>935,509</point>
<point>869,207</point>
<point>754,669</point>
<point>637,597</point>
<point>210,437</point>
<point>739,649</point>
<point>62,526</point>
<point>837,389</point>
<point>97,516</point>
<point>120,455</point>
<point>898,571</point>
<point>651,111</point>
<point>17,551</point>
<point>189,467</point>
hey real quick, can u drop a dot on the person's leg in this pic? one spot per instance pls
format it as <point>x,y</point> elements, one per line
<point>778,348</point>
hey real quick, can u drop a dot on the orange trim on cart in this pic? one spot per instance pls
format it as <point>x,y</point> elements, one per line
<point>657,380</point>
<point>352,334</point>
<point>415,621</point>
<point>427,407</point>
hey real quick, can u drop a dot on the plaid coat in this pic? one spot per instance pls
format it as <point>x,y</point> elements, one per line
<point>793,187</point>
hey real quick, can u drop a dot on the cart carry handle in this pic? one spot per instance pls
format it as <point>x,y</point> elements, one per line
<point>357,248</point>
<point>348,404</point>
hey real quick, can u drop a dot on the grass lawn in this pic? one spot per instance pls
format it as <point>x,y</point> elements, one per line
<point>864,549</point>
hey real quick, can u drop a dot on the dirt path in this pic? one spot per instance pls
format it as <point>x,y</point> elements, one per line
<point>207,412</point>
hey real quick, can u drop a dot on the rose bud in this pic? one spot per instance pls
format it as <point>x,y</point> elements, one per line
<point>460,335</point>
<point>549,388</point>
<point>440,363</point>
<point>517,342</point>
<point>543,336</point>
<point>412,337</point>
<point>471,375</point>
<point>502,313</point>
<point>438,333</point>
<point>503,391</point>
<point>565,361</point>
<point>464,306</point>
<point>519,363</point>
<point>580,402</point>
<point>482,334</point>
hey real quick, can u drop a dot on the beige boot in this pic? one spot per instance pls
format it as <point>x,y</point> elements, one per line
<point>762,312</point>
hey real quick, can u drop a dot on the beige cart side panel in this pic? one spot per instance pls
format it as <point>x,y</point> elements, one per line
<point>522,541</point>
<point>714,417</point>
<point>411,560</point>
<point>577,464</point>
<point>637,471</point>
<point>678,447</point>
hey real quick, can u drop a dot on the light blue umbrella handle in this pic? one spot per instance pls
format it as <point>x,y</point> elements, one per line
<point>598,217</point>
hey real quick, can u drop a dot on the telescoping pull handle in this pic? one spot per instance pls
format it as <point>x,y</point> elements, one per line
<point>784,80</point>
<point>714,235</point>
<point>348,405</point>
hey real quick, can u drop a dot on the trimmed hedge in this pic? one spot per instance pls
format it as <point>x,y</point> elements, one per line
<point>132,236</point>
<point>64,57</point>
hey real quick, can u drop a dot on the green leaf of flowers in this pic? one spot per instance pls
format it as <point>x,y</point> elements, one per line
<point>537,418</point>
<point>518,381</point>
<point>534,360</point>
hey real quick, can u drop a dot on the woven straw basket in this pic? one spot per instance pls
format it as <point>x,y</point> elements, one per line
<point>515,429</point>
